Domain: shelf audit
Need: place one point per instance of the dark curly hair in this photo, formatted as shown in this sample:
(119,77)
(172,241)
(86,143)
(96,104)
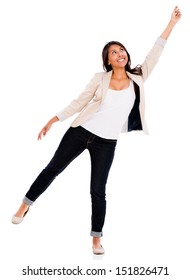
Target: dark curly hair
(137,70)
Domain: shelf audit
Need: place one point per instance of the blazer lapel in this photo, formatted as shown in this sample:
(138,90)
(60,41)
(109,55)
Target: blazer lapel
(105,83)
(137,79)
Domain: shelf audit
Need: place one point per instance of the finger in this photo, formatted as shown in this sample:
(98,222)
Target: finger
(40,135)
(177,10)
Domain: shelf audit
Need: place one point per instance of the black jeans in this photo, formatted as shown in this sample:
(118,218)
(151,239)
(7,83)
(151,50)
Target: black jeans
(73,143)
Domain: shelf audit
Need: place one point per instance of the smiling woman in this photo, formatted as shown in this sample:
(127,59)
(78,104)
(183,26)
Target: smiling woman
(114,51)
(117,56)
(117,95)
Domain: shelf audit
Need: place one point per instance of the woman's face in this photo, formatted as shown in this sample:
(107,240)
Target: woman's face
(117,56)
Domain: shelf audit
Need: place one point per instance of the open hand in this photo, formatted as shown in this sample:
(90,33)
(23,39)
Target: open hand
(47,127)
(44,131)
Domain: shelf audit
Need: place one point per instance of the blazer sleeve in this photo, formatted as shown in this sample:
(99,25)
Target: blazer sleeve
(82,100)
(152,57)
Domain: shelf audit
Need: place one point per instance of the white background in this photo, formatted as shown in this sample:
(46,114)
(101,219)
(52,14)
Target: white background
(48,52)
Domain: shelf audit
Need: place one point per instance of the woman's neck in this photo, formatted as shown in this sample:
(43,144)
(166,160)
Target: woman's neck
(119,80)
(119,74)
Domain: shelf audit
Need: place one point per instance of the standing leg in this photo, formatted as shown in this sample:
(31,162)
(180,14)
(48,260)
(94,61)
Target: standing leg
(102,154)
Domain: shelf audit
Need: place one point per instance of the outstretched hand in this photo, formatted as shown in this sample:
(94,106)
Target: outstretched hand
(44,131)
(175,17)
(47,127)
(176,14)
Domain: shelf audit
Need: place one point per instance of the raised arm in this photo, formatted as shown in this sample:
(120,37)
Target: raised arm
(175,17)
(155,53)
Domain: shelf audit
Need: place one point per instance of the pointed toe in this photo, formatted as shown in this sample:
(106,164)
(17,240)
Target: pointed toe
(17,220)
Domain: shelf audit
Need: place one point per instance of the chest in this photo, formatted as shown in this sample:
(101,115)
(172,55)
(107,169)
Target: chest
(119,99)
(119,84)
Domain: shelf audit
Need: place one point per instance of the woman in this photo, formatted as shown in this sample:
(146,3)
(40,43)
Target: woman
(112,102)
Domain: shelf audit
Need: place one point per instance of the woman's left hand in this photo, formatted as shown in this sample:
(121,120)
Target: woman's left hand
(176,15)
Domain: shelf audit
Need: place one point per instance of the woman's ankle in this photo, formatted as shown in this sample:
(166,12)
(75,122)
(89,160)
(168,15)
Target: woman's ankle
(96,241)
(22,210)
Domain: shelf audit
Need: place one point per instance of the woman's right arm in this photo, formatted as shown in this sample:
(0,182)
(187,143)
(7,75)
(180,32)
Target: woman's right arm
(75,106)
(47,127)
(82,100)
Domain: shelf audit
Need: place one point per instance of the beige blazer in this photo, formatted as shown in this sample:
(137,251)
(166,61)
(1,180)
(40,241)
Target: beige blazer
(89,101)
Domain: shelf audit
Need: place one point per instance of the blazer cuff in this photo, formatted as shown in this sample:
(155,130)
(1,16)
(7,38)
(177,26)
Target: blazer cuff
(61,116)
(160,41)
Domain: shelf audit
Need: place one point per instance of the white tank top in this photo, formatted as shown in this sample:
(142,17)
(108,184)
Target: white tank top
(113,114)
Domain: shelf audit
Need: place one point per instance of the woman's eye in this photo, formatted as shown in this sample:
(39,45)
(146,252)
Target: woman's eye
(113,52)
(122,50)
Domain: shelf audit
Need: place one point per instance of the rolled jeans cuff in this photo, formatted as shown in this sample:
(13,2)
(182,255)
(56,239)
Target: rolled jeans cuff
(96,234)
(27,201)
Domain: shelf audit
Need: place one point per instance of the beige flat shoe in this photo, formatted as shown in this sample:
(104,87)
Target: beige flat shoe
(17,220)
(98,251)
